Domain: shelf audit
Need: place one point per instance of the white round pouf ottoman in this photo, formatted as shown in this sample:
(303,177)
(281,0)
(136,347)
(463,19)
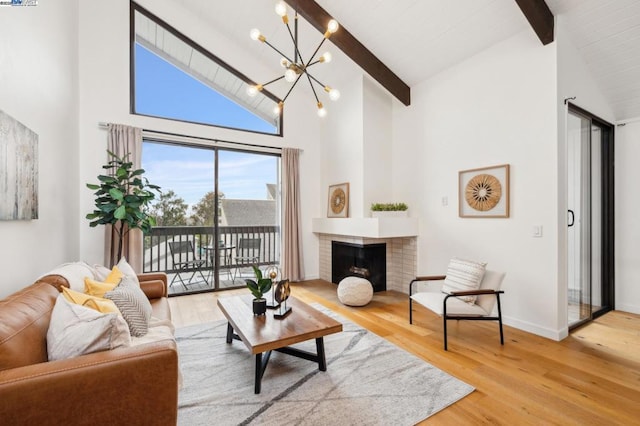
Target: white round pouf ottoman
(355,291)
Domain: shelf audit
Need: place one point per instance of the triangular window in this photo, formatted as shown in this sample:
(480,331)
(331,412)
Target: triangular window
(174,78)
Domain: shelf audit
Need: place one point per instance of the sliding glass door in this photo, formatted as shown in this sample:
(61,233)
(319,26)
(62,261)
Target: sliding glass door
(589,216)
(218,215)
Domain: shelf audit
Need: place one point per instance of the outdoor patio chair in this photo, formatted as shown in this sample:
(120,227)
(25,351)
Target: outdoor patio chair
(453,297)
(185,261)
(247,254)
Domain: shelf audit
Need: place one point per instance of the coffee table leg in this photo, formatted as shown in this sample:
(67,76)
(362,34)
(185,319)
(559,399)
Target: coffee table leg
(258,373)
(322,361)
(229,332)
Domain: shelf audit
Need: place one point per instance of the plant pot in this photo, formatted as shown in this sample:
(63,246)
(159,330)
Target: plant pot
(385,214)
(259,306)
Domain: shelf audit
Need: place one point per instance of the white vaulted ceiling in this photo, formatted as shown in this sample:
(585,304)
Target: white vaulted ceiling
(417,39)
(607,35)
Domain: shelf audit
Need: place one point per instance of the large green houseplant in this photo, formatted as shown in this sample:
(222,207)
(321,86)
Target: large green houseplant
(123,197)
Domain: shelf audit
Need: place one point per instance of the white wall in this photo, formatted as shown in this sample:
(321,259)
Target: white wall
(627,176)
(104,97)
(497,107)
(377,147)
(343,147)
(38,75)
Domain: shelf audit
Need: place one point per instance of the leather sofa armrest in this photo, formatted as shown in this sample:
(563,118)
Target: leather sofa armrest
(154,284)
(132,386)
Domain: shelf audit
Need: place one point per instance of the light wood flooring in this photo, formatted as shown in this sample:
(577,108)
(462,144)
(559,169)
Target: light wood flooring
(590,378)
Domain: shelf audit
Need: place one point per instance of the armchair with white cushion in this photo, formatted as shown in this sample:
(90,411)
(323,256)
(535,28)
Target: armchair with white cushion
(467,292)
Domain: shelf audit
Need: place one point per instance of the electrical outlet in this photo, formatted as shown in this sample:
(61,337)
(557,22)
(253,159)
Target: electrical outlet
(445,201)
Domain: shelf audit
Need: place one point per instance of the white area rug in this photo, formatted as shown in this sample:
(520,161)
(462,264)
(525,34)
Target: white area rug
(368,381)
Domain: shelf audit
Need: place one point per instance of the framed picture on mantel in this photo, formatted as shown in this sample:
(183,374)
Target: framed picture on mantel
(338,203)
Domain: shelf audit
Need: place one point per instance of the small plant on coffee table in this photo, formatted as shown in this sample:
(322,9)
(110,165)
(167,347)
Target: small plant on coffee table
(258,288)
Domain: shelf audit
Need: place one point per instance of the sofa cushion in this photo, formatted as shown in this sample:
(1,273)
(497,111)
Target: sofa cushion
(24,320)
(463,275)
(76,330)
(133,304)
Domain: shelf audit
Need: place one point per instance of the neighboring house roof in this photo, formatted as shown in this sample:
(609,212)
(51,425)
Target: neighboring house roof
(271,191)
(248,212)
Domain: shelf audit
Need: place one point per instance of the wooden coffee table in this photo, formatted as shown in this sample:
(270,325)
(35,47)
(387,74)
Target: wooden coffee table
(263,334)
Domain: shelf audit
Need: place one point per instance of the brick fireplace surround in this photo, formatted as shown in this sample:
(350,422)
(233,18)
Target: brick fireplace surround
(401,253)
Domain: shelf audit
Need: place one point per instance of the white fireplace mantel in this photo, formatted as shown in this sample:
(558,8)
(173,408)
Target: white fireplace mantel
(369,227)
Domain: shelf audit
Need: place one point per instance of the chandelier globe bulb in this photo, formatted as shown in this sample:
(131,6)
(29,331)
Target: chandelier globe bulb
(290,75)
(281,8)
(333,26)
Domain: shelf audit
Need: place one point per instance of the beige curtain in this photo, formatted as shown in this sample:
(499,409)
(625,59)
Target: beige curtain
(122,140)
(292,265)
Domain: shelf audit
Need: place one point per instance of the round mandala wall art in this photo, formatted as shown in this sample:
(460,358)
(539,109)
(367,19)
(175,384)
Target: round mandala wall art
(483,192)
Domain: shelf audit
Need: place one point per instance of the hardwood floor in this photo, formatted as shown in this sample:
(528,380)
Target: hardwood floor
(590,378)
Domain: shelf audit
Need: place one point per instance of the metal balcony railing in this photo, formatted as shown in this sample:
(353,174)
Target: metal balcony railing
(261,246)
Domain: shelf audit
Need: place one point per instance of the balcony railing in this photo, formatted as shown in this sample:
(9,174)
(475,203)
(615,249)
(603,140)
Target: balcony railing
(231,260)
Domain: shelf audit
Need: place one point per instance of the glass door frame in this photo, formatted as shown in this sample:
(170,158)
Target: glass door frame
(607,213)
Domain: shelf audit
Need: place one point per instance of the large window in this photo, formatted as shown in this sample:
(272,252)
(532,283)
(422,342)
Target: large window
(221,206)
(173,77)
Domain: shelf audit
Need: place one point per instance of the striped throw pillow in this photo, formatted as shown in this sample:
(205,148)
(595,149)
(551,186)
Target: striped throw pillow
(463,275)
(133,304)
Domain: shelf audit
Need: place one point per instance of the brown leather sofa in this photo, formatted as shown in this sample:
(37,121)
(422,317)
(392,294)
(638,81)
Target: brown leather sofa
(137,385)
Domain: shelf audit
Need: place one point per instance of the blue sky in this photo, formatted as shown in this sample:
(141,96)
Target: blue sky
(163,90)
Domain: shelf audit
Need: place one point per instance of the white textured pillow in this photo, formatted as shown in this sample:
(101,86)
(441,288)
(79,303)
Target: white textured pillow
(100,272)
(126,269)
(76,330)
(74,273)
(133,304)
(463,275)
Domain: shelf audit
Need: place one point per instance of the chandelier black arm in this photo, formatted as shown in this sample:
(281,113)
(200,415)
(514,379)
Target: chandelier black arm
(295,41)
(309,77)
(273,81)
(291,88)
(274,48)
(316,80)
(314,53)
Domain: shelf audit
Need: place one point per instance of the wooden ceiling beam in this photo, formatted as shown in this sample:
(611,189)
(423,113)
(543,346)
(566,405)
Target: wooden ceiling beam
(540,18)
(313,13)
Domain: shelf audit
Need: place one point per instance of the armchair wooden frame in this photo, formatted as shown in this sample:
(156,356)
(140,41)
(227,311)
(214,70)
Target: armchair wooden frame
(446,316)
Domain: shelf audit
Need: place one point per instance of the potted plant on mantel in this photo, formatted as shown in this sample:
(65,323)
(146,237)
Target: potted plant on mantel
(389,210)
(122,200)
(258,288)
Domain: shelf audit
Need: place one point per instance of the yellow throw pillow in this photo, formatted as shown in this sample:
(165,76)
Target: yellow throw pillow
(97,303)
(99,288)
(114,276)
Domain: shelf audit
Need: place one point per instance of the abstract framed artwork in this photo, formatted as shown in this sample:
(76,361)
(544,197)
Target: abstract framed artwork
(18,170)
(484,192)
(338,204)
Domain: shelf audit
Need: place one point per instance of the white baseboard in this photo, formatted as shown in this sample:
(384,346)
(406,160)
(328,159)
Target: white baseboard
(548,333)
(632,309)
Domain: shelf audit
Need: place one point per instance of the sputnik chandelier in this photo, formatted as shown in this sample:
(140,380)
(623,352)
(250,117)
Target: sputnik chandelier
(297,67)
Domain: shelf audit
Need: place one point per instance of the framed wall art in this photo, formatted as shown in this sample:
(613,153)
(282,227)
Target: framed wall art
(484,192)
(18,170)
(338,204)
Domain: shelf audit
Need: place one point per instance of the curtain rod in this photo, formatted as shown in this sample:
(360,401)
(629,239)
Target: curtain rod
(168,136)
